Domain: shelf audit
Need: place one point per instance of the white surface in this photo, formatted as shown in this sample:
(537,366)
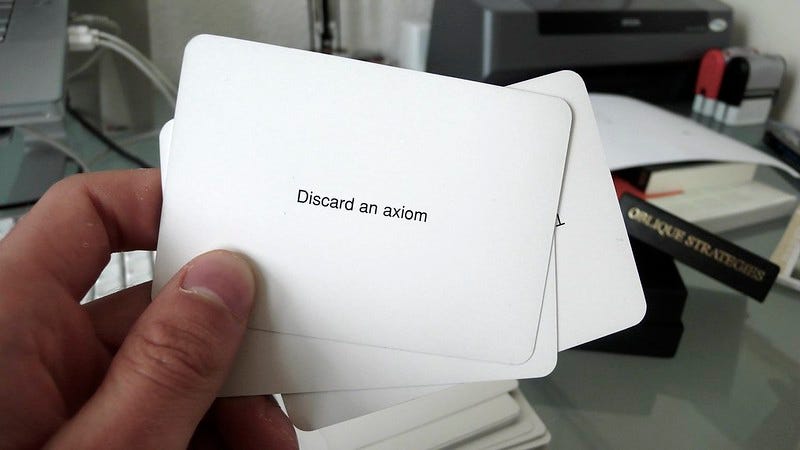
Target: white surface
(635,133)
(447,161)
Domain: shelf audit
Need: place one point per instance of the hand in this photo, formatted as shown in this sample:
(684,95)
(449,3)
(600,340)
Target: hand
(120,372)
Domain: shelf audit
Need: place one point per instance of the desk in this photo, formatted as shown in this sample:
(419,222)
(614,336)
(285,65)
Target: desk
(734,383)
(96,155)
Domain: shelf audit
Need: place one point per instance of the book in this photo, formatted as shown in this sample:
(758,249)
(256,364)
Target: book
(684,177)
(729,207)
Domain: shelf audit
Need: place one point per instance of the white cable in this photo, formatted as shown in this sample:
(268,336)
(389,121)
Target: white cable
(133,138)
(95,20)
(57,145)
(145,65)
(164,90)
(86,64)
(84,38)
(134,51)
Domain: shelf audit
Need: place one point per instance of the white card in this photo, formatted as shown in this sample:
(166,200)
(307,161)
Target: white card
(475,168)
(599,291)
(413,414)
(255,375)
(527,427)
(587,197)
(454,429)
(255,372)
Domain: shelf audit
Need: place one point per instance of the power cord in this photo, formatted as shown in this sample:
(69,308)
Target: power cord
(96,21)
(112,145)
(56,145)
(20,204)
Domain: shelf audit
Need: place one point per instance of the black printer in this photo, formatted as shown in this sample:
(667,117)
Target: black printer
(649,49)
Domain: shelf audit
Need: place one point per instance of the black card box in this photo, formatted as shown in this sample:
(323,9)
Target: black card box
(664,290)
(645,339)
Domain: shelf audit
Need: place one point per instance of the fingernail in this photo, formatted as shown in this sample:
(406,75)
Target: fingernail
(222,276)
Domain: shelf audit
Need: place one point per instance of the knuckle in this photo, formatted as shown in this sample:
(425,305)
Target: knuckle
(178,355)
(70,184)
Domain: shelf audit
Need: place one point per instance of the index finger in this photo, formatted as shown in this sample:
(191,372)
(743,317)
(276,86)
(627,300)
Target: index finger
(68,236)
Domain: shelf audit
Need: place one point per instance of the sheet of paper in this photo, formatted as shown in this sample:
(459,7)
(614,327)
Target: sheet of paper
(636,133)
(420,143)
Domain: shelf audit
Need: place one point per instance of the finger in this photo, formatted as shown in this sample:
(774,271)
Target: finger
(113,315)
(254,423)
(170,367)
(67,237)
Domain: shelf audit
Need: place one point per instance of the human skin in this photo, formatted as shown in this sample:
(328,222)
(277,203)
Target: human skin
(124,371)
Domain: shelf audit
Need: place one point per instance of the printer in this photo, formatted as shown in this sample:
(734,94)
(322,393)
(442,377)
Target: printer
(649,49)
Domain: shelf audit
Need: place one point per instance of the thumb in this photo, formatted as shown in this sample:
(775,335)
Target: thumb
(172,363)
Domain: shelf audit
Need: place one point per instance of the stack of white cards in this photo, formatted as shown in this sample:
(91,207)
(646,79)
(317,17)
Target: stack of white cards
(411,231)
(489,415)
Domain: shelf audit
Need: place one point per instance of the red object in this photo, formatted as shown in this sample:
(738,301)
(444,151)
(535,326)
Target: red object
(624,187)
(709,78)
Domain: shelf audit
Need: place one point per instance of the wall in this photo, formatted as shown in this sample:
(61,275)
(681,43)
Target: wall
(127,97)
(373,25)
(772,27)
(370,25)
(172,24)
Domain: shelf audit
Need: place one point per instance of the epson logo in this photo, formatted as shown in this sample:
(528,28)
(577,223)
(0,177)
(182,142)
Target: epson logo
(718,25)
(631,22)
